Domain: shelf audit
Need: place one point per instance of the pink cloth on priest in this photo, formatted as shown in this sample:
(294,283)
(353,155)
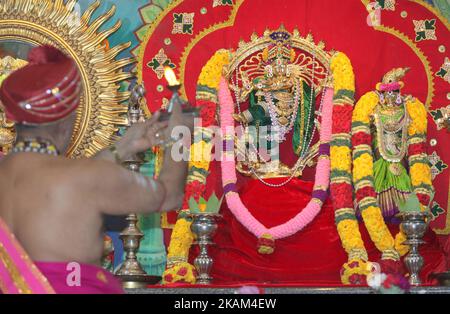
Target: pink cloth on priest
(93,279)
(20,275)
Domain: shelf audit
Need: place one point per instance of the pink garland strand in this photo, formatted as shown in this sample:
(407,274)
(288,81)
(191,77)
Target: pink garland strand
(240,211)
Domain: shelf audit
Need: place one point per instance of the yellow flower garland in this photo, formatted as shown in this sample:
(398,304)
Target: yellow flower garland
(363,167)
(349,232)
(420,170)
(341,166)
(180,241)
(212,71)
(401,248)
(200,155)
(343,75)
(364,268)
(182,237)
(342,158)
(418,115)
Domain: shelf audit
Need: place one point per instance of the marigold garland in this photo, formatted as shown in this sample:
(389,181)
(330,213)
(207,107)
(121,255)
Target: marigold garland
(178,268)
(180,273)
(419,165)
(401,248)
(180,241)
(363,177)
(355,270)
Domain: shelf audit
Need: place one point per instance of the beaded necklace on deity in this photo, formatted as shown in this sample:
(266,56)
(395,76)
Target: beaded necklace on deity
(283,130)
(392,130)
(305,145)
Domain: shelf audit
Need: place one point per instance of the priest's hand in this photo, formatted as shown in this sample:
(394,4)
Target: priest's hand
(180,120)
(141,137)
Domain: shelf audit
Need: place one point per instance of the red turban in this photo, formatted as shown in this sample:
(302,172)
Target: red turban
(46,90)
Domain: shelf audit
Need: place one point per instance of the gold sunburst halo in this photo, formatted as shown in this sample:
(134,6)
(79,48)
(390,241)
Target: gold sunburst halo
(56,22)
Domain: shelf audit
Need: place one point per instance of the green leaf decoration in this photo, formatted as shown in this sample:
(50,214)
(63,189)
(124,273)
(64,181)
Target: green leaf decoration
(441,72)
(420,36)
(437,114)
(178,18)
(202,201)
(203,206)
(214,204)
(193,206)
(411,204)
(436,210)
(429,24)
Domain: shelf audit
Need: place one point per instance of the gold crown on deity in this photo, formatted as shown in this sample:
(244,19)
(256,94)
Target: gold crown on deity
(392,80)
(395,75)
(280,47)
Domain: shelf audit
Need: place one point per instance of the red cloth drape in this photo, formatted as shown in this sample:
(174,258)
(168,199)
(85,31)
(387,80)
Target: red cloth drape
(312,256)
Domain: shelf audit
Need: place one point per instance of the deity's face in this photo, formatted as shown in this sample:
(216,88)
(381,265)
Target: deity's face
(277,76)
(280,67)
(391,98)
(278,72)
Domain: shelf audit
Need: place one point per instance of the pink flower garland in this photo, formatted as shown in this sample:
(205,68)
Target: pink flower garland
(229,177)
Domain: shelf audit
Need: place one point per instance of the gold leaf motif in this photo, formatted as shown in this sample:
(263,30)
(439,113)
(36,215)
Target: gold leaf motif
(321,45)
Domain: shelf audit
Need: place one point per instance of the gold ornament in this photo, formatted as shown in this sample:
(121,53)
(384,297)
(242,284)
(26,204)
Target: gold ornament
(395,75)
(274,66)
(9,64)
(57,23)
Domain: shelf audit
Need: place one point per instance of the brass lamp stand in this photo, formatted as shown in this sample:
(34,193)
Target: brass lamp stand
(131,272)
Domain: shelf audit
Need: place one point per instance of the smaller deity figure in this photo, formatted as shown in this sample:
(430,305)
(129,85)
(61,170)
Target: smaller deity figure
(391,122)
(391,169)
(8,65)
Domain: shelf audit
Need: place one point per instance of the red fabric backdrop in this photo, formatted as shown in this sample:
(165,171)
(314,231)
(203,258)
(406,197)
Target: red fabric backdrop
(343,26)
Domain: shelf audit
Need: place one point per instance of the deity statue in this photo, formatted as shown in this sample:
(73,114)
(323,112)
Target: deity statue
(280,86)
(390,123)
(8,65)
(266,92)
(390,166)
(7,135)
